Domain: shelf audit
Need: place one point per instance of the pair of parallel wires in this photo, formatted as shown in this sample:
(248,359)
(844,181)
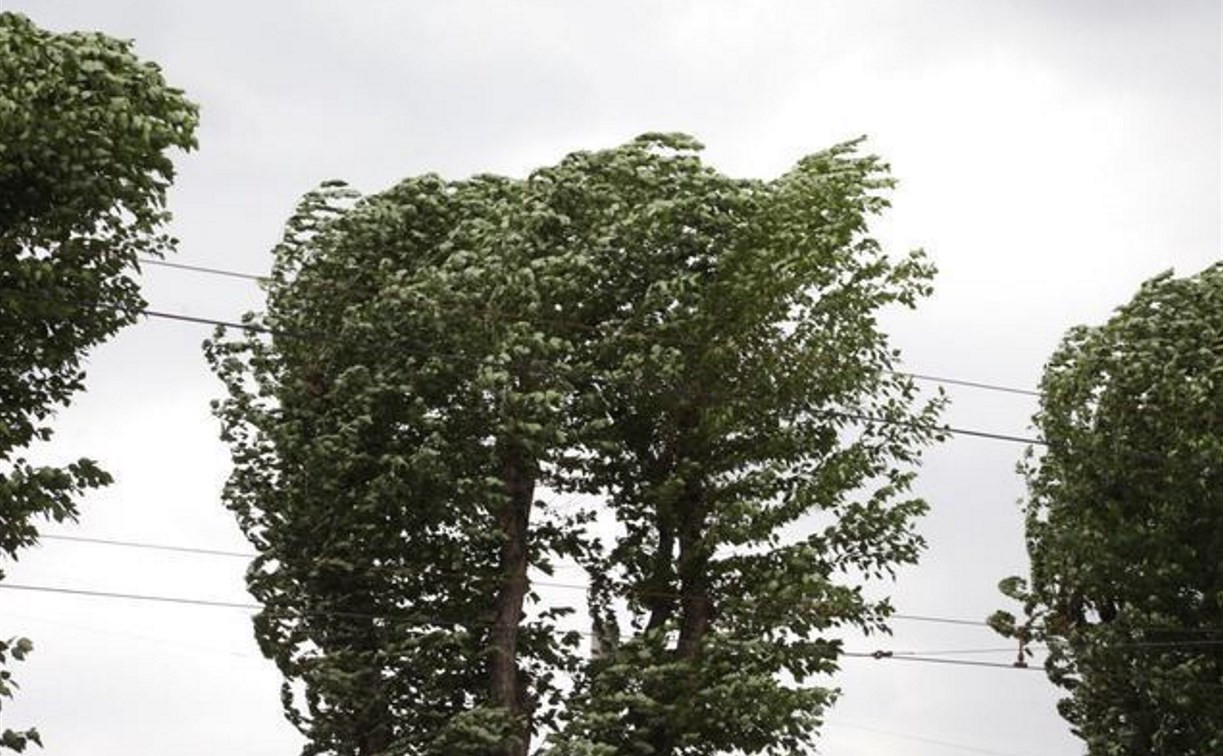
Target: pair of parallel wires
(928,657)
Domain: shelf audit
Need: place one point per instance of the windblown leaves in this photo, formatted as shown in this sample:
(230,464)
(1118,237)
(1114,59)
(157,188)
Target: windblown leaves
(699,351)
(85,128)
(1125,523)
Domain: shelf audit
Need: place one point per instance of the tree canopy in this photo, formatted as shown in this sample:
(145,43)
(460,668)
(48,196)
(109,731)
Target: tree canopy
(1125,523)
(85,128)
(699,352)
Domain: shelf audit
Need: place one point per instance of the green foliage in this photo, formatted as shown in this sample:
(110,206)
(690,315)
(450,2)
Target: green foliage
(17,648)
(84,128)
(371,438)
(628,323)
(1125,524)
(737,344)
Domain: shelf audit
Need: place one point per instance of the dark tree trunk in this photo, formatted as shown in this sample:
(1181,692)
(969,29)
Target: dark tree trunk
(683,525)
(658,593)
(507,682)
(696,609)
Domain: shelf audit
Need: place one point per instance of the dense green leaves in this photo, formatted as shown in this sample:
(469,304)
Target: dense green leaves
(85,128)
(374,441)
(696,351)
(736,344)
(1125,523)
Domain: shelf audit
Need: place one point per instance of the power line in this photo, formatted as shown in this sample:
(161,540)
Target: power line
(929,378)
(195,648)
(944,428)
(422,620)
(919,739)
(412,619)
(969,384)
(539,583)
(152,546)
(404,618)
(136,597)
(203,269)
(193,549)
(668,594)
(940,620)
(963,651)
(955,431)
(237,605)
(889,656)
(209,321)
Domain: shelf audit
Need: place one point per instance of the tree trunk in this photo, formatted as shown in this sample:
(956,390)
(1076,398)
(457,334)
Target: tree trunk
(695,606)
(658,597)
(696,609)
(507,683)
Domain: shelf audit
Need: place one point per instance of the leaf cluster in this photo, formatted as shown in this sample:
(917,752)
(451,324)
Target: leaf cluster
(1125,523)
(85,127)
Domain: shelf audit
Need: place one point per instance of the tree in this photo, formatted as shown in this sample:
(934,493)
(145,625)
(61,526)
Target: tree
(1125,523)
(737,354)
(84,131)
(388,438)
(628,323)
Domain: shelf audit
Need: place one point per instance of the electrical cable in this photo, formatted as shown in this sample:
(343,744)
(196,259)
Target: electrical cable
(919,739)
(143,545)
(916,376)
(969,384)
(406,618)
(955,431)
(887,655)
(540,583)
(669,594)
(203,269)
(423,620)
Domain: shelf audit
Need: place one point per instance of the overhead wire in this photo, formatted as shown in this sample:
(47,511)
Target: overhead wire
(900,616)
(920,739)
(952,430)
(405,618)
(539,583)
(425,620)
(926,377)
(195,648)
(654,593)
(251,327)
(143,545)
(203,269)
(885,655)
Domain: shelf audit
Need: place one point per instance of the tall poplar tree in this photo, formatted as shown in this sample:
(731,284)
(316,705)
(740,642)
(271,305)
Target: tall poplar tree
(743,419)
(85,132)
(388,436)
(1125,524)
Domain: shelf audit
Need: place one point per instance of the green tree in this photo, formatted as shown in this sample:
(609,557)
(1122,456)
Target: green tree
(1125,524)
(84,131)
(627,323)
(740,414)
(388,438)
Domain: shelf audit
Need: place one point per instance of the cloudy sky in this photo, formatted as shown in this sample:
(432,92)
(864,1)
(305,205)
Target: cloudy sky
(1052,155)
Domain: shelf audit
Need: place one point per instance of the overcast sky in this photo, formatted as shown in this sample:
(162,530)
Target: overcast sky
(1052,155)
